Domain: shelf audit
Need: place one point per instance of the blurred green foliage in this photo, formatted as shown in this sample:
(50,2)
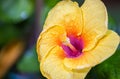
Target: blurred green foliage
(8,33)
(29,62)
(15,10)
(14,19)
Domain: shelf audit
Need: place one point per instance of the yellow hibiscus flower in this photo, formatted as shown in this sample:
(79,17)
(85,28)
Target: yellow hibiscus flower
(75,39)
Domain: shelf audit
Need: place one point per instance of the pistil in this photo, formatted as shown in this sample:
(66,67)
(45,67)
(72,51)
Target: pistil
(73,47)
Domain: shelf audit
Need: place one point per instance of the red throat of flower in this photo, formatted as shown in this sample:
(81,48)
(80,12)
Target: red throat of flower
(74,47)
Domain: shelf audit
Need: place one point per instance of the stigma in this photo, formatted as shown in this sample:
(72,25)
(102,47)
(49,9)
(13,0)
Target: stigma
(73,46)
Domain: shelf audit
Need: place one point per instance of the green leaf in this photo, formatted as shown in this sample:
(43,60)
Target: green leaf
(8,33)
(29,62)
(111,23)
(15,10)
(50,3)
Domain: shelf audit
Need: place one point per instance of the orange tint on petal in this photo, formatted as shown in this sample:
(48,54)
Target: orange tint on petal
(50,38)
(95,22)
(52,66)
(68,14)
(104,49)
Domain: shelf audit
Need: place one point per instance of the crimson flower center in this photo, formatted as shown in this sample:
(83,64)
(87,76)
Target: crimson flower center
(74,47)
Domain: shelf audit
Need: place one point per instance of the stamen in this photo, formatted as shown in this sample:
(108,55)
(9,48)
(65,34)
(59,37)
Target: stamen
(73,47)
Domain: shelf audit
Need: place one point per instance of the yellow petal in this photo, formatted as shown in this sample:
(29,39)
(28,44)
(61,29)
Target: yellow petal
(66,13)
(52,67)
(95,22)
(50,38)
(104,49)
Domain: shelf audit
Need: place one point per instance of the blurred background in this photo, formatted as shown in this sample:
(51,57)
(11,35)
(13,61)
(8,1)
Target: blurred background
(21,22)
